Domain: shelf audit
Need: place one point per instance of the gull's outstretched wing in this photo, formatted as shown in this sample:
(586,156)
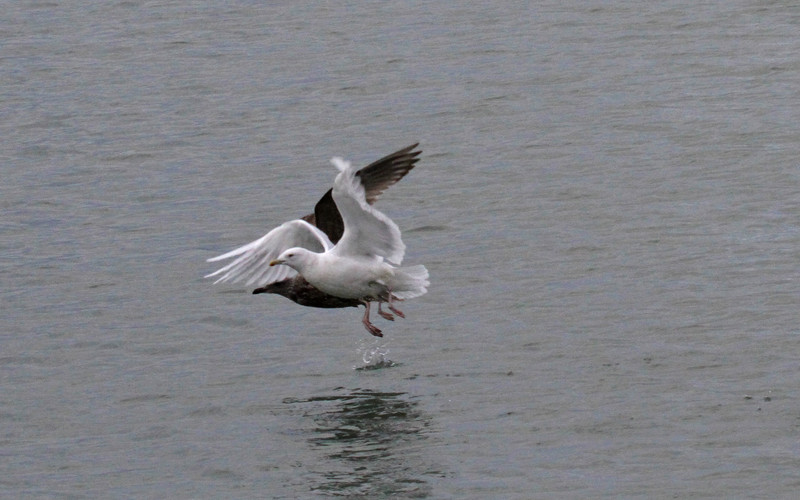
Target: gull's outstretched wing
(367,232)
(376,178)
(252,260)
(381,174)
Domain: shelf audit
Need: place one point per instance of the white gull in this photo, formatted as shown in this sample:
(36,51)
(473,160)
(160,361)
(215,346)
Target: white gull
(364,263)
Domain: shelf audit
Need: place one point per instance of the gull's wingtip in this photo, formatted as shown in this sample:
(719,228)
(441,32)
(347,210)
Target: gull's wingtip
(340,163)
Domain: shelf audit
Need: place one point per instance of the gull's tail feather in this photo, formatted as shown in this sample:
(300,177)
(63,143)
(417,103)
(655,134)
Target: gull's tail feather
(410,282)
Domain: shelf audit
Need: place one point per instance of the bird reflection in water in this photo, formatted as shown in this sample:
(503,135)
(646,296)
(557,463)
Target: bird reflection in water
(371,442)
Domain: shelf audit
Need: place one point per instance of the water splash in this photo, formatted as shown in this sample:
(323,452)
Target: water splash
(374,355)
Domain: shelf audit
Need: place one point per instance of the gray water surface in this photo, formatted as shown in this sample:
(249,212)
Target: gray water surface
(607,202)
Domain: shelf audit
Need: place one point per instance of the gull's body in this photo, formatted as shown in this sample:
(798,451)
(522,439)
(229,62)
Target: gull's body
(333,274)
(364,264)
(321,283)
(250,263)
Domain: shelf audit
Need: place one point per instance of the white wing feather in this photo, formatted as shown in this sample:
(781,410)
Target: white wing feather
(367,231)
(252,262)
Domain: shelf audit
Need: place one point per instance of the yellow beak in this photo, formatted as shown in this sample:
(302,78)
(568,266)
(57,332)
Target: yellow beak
(275,262)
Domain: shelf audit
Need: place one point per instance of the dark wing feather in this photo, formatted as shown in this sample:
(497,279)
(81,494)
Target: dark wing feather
(375,177)
(378,176)
(327,218)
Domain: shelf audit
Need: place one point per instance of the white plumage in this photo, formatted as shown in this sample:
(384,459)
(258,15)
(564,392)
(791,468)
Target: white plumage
(252,262)
(363,264)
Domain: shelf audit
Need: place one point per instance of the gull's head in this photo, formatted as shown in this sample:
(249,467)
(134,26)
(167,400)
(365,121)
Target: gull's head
(296,258)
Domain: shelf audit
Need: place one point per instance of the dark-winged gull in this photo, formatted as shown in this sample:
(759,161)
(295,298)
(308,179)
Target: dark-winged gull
(251,259)
(364,264)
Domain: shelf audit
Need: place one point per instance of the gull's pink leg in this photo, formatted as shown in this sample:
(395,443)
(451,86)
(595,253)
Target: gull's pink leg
(392,308)
(384,314)
(374,330)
